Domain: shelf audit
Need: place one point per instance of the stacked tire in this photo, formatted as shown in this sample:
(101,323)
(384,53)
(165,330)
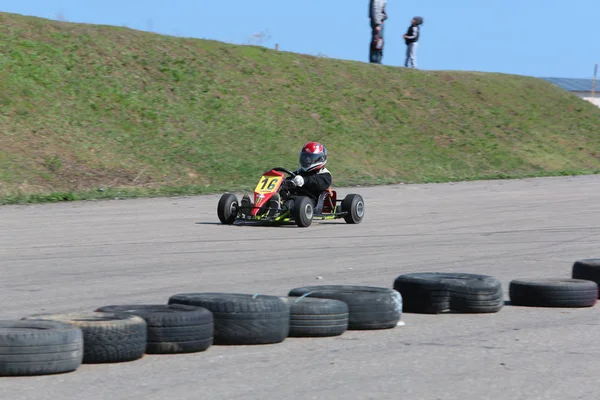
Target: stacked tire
(588,269)
(570,293)
(436,292)
(172,328)
(369,307)
(242,319)
(313,317)
(107,337)
(39,348)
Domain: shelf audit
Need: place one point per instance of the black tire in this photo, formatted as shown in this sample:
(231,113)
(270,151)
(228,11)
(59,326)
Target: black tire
(303,211)
(570,293)
(39,348)
(368,307)
(436,292)
(312,317)
(242,319)
(588,270)
(107,337)
(354,205)
(227,208)
(172,328)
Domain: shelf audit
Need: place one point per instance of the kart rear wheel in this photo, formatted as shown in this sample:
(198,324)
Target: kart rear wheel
(354,205)
(303,211)
(227,209)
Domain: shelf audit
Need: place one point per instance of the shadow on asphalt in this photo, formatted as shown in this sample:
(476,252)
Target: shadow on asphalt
(267,224)
(254,224)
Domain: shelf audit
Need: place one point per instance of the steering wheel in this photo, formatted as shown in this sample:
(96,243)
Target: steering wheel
(287,171)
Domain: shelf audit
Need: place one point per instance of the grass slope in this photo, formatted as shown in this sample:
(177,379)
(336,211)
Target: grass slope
(84,107)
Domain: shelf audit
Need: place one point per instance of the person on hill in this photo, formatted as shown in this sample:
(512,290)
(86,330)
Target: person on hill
(377,15)
(411,38)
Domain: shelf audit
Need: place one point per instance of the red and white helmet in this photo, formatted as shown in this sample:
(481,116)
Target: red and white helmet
(313,156)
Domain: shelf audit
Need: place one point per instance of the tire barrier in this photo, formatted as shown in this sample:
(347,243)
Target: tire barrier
(44,344)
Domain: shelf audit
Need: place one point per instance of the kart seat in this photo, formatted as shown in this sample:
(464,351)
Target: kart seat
(326,202)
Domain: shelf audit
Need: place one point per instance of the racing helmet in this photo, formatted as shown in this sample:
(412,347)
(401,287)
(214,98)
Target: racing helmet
(313,156)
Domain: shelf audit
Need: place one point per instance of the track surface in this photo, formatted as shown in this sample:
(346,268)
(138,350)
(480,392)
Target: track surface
(80,256)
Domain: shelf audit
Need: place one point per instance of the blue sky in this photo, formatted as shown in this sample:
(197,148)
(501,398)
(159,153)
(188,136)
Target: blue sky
(528,37)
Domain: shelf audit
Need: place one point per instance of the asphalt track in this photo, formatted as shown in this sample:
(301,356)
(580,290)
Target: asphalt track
(80,256)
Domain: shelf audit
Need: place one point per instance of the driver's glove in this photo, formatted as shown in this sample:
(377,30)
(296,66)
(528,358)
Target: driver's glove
(298,180)
(288,184)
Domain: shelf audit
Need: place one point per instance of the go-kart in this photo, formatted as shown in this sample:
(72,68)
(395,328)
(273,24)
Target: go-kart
(291,207)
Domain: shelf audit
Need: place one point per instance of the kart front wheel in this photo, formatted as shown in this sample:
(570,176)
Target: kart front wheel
(354,205)
(227,209)
(303,211)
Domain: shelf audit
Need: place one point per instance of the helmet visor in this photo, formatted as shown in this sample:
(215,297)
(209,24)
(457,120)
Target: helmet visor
(308,159)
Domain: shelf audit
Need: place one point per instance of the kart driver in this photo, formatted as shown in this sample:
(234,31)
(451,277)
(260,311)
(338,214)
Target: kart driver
(312,178)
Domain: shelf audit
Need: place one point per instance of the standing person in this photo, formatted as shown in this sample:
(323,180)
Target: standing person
(377,15)
(411,38)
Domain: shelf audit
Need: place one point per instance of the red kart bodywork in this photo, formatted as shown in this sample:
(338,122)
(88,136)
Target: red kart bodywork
(264,190)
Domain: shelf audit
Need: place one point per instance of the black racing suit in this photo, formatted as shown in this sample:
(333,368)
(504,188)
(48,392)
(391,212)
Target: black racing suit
(315,183)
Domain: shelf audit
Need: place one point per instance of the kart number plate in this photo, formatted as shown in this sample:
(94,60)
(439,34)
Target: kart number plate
(268,184)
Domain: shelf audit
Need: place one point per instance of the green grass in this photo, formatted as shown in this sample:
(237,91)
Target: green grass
(86,107)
